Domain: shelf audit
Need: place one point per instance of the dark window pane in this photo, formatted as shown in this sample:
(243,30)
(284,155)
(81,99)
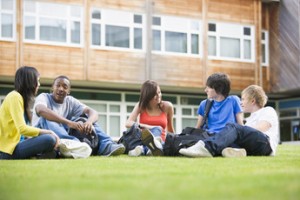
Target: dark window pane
(138,19)
(117,36)
(138,38)
(247,31)
(212,27)
(156,21)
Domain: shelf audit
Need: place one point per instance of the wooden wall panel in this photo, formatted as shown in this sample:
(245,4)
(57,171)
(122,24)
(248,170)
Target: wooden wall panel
(285,46)
(128,5)
(116,66)
(7,58)
(177,71)
(191,8)
(241,74)
(241,11)
(52,61)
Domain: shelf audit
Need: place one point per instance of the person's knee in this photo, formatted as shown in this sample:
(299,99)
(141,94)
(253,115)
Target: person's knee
(50,139)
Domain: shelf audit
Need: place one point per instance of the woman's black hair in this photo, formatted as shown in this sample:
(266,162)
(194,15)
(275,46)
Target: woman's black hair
(26,82)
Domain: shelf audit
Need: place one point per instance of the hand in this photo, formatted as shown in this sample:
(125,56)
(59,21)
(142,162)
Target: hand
(77,126)
(88,127)
(57,140)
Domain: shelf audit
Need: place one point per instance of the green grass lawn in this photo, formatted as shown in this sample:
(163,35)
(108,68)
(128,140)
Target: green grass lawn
(126,177)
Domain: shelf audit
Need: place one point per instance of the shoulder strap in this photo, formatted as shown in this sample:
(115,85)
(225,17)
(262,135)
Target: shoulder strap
(209,103)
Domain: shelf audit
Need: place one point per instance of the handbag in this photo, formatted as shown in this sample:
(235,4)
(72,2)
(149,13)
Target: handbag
(74,149)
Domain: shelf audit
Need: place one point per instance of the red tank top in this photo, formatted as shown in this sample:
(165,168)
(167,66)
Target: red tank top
(160,120)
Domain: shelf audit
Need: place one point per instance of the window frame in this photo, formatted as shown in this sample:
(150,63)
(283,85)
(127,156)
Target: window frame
(167,25)
(231,34)
(10,12)
(130,24)
(266,53)
(69,19)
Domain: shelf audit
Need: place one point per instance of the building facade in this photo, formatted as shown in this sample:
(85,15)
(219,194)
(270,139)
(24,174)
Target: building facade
(109,48)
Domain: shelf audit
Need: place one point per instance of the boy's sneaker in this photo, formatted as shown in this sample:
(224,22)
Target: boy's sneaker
(197,150)
(137,151)
(114,150)
(152,143)
(234,152)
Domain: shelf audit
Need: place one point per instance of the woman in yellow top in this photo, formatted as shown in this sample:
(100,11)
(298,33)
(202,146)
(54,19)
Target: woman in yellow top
(13,112)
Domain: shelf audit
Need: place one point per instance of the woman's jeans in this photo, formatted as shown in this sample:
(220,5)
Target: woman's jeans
(253,141)
(62,132)
(31,147)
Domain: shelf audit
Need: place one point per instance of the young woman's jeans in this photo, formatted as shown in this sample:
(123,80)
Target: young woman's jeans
(62,132)
(31,147)
(253,141)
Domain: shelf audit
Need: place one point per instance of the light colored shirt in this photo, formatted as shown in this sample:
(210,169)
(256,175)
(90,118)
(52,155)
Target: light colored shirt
(266,114)
(12,123)
(70,108)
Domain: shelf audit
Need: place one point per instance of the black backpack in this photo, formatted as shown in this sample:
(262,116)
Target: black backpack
(131,138)
(91,139)
(188,137)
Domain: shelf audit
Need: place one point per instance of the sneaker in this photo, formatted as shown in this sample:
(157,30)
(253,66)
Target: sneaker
(197,150)
(114,150)
(234,152)
(137,151)
(149,153)
(152,143)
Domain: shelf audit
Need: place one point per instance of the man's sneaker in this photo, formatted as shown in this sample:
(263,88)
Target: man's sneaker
(152,143)
(114,150)
(137,151)
(197,150)
(234,152)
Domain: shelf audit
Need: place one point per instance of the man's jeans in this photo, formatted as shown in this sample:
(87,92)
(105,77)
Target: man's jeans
(31,147)
(255,142)
(62,132)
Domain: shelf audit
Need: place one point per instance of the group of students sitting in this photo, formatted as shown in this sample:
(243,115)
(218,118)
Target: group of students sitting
(53,114)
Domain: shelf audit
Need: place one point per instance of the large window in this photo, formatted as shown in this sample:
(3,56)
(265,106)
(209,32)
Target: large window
(176,35)
(50,23)
(7,19)
(117,30)
(264,48)
(231,42)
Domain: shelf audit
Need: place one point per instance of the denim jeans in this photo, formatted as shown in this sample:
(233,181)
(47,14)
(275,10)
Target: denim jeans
(253,141)
(62,132)
(31,147)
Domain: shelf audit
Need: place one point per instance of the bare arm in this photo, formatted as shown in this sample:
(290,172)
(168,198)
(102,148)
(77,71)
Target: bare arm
(239,118)
(263,126)
(170,114)
(133,116)
(92,118)
(48,114)
(199,122)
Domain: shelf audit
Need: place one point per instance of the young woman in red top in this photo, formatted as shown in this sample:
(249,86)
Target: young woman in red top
(154,117)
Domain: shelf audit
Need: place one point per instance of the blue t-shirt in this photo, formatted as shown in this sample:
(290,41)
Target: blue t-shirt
(221,113)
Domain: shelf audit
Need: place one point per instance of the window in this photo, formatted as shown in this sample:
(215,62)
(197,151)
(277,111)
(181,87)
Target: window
(265,48)
(176,35)
(51,23)
(231,42)
(7,19)
(117,29)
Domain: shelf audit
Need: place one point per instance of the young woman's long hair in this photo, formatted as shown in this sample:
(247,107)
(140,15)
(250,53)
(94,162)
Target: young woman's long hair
(148,91)
(26,82)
